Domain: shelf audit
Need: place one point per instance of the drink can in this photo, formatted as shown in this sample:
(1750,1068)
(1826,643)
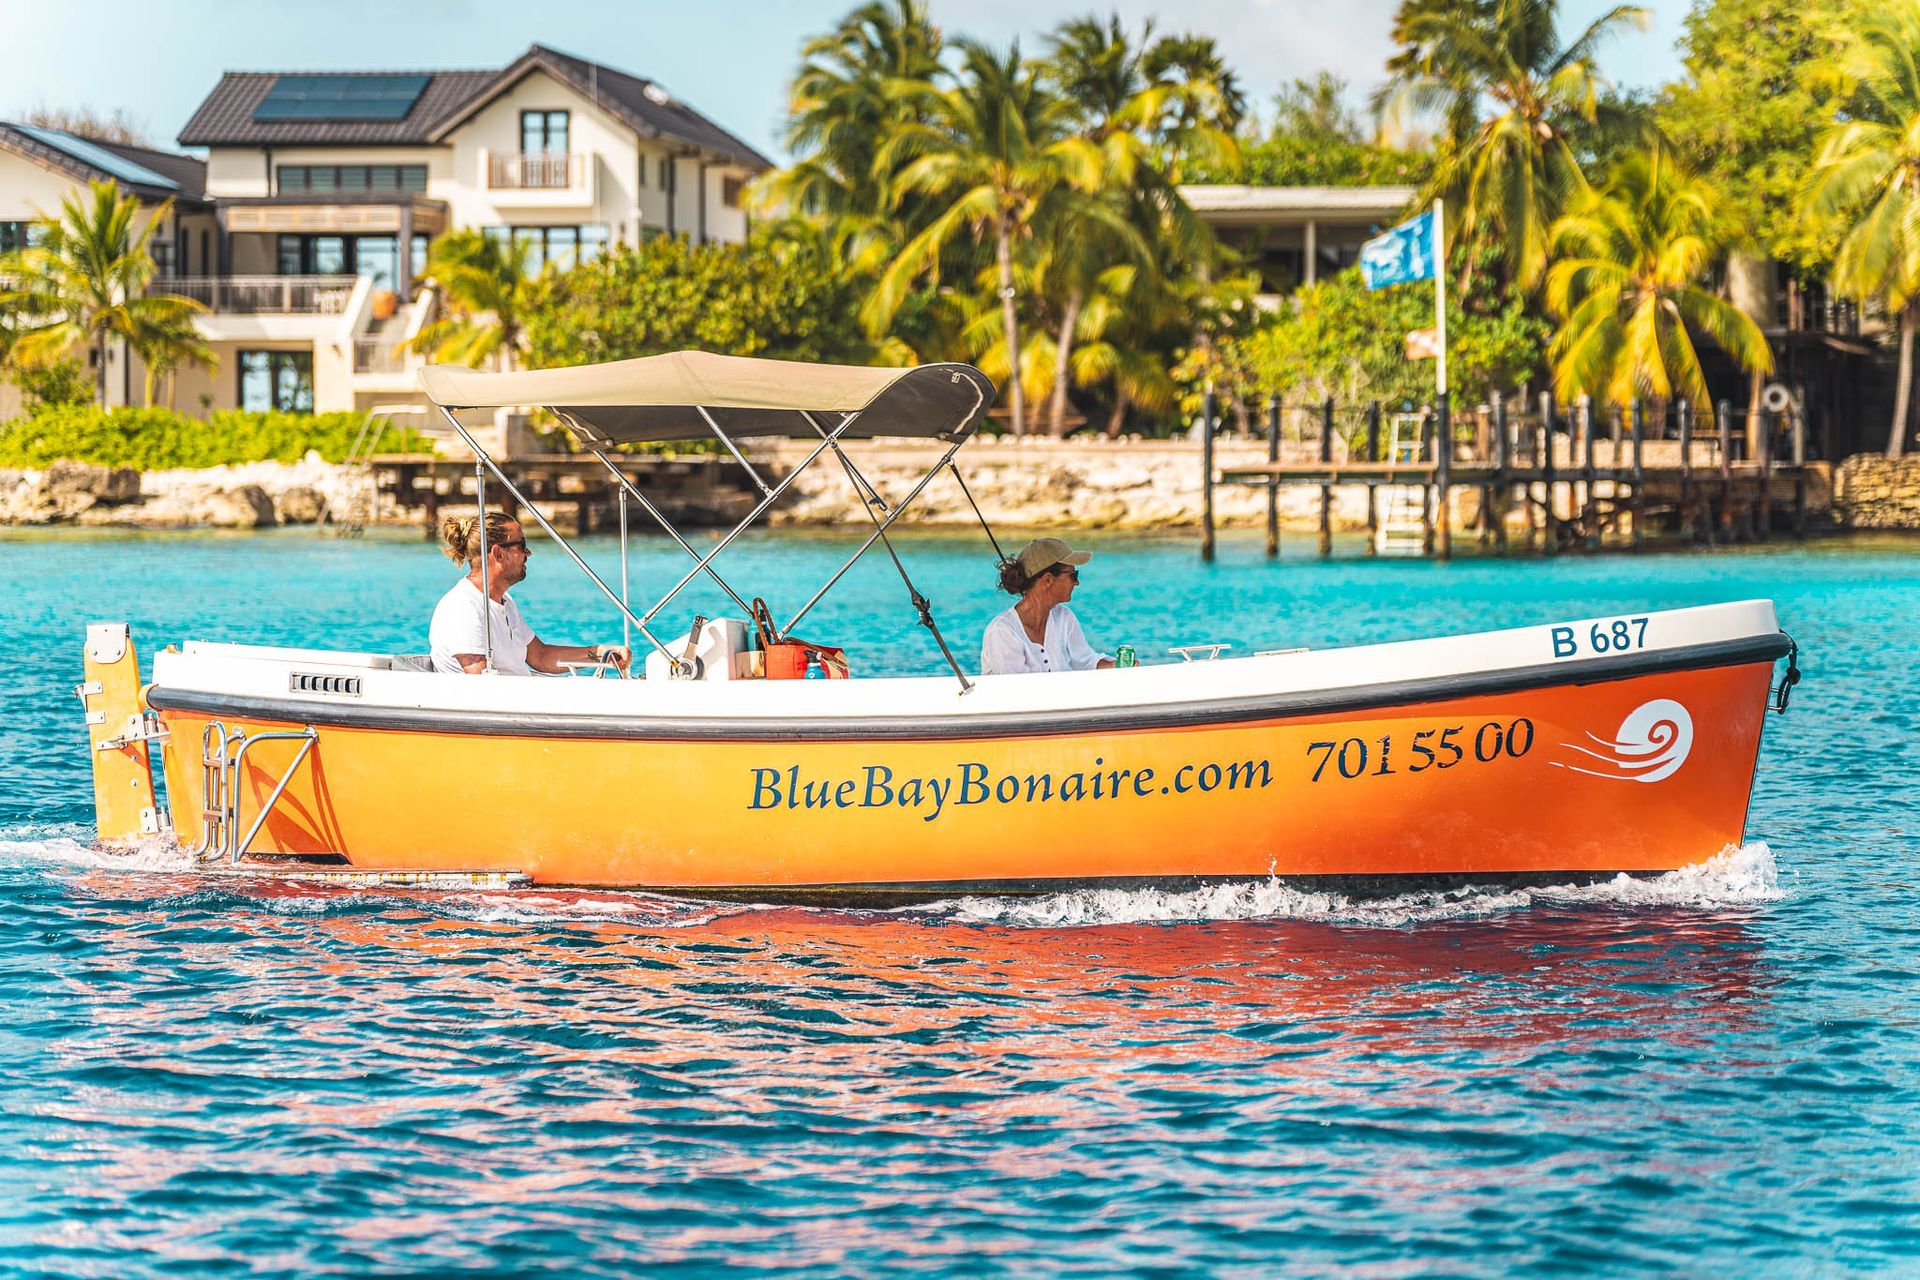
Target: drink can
(1123,657)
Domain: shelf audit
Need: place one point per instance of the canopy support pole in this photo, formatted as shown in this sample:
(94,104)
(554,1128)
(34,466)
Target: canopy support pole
(482,456)
(921,604)
(772,497)
(486,583)
(626,599)
(627,487)
(978,514)
(879,530)
(738,457)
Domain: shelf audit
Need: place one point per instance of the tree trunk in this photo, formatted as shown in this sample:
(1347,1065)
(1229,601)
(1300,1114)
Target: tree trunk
(1057,415)
(1897,438)
(1003,251)
(100,370)
(1117,420)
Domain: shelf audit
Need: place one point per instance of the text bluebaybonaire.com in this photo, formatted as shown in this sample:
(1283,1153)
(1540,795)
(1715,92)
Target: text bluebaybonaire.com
(876,786)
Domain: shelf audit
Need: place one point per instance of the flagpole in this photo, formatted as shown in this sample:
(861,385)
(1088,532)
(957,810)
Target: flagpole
(1440,286)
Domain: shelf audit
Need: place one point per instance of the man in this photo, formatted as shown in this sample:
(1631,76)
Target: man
(458,635)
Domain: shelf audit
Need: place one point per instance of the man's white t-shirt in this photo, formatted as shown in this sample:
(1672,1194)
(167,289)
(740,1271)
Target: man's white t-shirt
(459,627)
(1005,650)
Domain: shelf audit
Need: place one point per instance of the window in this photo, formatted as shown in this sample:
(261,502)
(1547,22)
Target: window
(543,132)
(730,189)
(643,170)
(666,172)
(280,380)
(376,256)
(355,179)
(563,247)
(18,235)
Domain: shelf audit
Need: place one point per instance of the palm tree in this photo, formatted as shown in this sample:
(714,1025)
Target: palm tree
(1144,105)
(85,283)
(1510,173)
(1863,182)
(1628,283)
(844,104)
(483,286)
(994,146)
(164,342)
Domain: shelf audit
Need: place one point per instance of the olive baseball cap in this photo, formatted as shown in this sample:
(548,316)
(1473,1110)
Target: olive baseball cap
(1043,553)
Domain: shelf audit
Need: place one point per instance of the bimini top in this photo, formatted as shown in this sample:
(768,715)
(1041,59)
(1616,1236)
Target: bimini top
(663,397)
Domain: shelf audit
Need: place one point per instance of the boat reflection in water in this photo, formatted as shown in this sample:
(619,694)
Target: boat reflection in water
(755,1077)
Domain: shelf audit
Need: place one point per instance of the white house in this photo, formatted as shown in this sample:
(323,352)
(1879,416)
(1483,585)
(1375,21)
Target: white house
(1295,235)
(40,168)
(311,216)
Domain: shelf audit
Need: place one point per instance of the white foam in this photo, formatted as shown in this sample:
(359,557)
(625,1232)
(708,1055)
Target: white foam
(1737,877)
(72,846)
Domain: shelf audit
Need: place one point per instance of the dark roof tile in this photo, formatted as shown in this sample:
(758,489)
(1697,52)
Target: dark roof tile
(226,117)
(149,174)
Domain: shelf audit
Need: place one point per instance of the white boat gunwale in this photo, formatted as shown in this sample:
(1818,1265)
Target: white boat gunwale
(226,680)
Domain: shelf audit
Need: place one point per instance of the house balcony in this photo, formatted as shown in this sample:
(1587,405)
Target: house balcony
(538,178)
(257,295)
(279,308)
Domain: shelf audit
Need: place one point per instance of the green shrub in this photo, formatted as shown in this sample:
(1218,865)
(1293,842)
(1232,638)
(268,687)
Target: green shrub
(62,382)
(158,439)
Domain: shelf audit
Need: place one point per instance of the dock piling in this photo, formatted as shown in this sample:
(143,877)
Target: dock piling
(1207,411)
(1499,491)
(1551,540)
(1373,491)
(1326,491)
(1637,500)
(1442,475)
(1763,500)
(1723,415)
(1273,480)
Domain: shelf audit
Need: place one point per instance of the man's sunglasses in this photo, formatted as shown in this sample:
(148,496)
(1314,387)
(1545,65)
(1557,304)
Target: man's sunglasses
(519,543)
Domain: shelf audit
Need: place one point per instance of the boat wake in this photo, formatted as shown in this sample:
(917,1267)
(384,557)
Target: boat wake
(1740,877)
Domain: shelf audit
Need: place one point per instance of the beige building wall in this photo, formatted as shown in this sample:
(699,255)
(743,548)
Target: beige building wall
(604,192)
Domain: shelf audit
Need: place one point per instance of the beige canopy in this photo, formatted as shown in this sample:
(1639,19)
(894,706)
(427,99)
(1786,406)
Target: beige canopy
(660,397)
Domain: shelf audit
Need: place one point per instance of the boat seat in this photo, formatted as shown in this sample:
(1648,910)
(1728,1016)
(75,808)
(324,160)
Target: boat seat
(411,662)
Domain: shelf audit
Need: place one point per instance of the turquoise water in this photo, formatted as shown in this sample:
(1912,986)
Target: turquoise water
(1710,1071)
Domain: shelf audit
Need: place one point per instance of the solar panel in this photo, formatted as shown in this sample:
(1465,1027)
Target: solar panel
(341,97)
(98,156)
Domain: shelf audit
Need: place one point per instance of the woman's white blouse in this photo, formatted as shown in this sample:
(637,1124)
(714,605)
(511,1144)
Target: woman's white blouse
(1005,650)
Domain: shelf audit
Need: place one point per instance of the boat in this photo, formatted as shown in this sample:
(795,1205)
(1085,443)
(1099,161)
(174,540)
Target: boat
(1566,751)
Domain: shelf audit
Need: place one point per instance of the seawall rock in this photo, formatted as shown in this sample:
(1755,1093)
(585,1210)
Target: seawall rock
(1124,484)
(1871,491)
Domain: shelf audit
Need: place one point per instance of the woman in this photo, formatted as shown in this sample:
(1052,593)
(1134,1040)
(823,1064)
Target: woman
(1040,633)
(462,625)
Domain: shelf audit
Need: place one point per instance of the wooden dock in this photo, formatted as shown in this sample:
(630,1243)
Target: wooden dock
(575,492)
(1565,484)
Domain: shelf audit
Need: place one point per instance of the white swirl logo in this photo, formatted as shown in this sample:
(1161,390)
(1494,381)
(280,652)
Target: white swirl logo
(1651,744)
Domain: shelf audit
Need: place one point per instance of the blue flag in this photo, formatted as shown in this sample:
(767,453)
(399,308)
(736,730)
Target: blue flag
(1401,256)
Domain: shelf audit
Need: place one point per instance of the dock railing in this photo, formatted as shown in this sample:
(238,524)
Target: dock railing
(1568,475)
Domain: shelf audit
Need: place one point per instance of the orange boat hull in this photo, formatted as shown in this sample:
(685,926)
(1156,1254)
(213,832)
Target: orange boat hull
(1545,781)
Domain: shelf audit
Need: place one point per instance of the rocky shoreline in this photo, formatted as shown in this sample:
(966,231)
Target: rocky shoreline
(251,496)
(1033,484)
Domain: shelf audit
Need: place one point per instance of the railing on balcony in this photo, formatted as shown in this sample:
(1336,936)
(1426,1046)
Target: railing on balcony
(379,355)
(534,171)
(250,295)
